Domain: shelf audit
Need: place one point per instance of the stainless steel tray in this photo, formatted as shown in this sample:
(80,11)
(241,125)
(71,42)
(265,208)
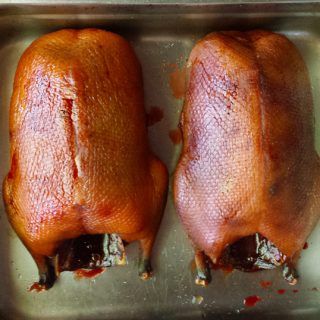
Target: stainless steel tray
(162,36)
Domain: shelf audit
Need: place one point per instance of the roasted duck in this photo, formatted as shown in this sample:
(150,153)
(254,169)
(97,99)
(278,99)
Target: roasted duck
(247,183)
(80,160)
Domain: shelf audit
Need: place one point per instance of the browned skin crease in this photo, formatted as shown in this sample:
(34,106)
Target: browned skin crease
(80,160)
(248,163)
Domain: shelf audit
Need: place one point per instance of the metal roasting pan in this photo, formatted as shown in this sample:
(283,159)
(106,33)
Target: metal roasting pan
(162,35)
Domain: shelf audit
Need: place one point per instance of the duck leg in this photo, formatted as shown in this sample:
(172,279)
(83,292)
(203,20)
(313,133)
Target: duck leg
(203,277)
(290,273)
(47,274)
(145,268)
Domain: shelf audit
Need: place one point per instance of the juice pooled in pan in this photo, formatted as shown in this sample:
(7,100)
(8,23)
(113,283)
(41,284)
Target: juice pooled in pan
(247,183)
(80,159)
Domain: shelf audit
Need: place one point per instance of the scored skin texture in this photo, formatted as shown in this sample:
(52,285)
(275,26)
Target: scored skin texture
(80,160)
(248,163)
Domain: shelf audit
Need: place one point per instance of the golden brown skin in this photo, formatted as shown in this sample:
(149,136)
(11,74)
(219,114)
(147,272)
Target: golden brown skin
(248,163)
(80,160)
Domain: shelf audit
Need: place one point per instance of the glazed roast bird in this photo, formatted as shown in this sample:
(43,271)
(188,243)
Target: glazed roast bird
(80,160)
(247,182)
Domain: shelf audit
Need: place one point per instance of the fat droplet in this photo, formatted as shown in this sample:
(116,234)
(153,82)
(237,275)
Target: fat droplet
(197,299)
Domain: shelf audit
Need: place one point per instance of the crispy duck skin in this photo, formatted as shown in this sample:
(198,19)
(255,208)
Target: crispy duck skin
(248,164)
(80,160)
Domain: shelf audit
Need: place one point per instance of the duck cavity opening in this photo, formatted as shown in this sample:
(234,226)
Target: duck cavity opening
(91,252)
(252,253)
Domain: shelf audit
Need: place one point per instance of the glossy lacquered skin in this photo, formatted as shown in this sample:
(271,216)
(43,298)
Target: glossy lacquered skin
(80,160)
(248,163)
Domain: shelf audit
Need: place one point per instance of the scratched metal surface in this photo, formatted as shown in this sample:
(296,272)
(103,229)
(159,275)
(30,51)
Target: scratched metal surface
(162,37)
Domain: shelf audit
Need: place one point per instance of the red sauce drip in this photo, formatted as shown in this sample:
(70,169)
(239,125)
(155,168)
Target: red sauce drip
(175,136)
(36,287)
(251,301)
(215,266)
(83,273)
(281,291)
(305,246)
(295,290)
(177,82)
(227,269)
(265,284)
(155,115)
